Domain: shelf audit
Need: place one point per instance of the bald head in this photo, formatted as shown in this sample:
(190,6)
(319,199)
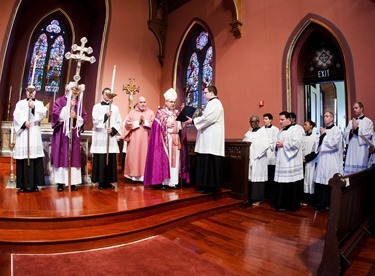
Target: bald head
(142,103)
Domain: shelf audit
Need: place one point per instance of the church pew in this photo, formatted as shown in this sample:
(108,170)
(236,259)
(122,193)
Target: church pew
(351,217)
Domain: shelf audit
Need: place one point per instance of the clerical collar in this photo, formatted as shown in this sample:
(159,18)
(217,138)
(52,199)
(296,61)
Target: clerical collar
(104,103)
(287,127)
(269,126)
(213,98)
(27,99)
(331,126)
(256,129)
(308,134)
(360,118)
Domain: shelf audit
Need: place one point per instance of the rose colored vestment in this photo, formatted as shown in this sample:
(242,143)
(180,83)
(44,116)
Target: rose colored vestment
(136,134)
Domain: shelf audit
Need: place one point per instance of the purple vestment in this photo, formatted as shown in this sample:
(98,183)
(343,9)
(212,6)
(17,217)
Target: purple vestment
(60,142)
(157,162)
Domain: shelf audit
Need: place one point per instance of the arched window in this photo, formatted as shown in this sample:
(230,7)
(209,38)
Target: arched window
(49,46)
(198,68)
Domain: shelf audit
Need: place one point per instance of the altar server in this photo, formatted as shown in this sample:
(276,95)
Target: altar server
(329,161)
(209,146)
(106,132)
(289,166)
(272,132)
(28,150)
(258,169)
(309,146)
(357,149)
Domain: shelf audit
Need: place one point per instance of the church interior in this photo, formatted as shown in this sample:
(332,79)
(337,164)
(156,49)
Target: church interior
(306,57)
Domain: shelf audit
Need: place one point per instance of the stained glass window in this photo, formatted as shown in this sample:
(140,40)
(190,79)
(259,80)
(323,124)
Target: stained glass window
(199,70)
(50,48)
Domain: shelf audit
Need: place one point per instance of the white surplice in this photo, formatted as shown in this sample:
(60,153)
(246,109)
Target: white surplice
(100,135)
(357,153)
(258,154)
(210,126)
(28,141)
(289,160)
(330,156)
(272,135)
(309,144)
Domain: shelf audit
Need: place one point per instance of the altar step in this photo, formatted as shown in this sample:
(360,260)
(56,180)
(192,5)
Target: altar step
(5,160)
(46,235)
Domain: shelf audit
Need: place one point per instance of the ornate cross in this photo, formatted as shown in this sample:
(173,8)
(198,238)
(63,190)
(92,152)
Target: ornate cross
(80,57)
(130,89)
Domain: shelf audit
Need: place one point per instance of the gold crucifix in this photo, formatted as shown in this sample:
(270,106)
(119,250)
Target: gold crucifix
(80,56)
(130,89)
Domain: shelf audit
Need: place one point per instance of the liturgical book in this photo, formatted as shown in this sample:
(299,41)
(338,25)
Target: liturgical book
(186,111)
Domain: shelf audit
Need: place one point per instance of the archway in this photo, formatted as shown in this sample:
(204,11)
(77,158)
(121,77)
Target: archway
(318,70)
(79,20)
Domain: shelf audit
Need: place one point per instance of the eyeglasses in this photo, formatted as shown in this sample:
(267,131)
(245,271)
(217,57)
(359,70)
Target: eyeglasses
(253,121)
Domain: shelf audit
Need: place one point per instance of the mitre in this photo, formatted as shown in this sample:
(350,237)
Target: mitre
(170,95)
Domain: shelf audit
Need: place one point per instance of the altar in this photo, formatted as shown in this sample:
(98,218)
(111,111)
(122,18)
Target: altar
(47,132)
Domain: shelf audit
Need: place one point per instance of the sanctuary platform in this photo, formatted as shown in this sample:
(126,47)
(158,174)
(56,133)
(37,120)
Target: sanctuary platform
(50,221)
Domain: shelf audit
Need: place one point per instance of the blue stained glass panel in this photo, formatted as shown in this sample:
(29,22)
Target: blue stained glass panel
(54,68)
(40,49)
(192,81)
(202,40)
(207,74)
(50,48)
(54,27)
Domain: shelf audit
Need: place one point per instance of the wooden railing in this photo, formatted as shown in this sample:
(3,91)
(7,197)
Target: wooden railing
(351,215)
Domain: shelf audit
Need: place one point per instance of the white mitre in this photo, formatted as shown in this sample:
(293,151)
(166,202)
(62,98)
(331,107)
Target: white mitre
(170,95)
(70,86)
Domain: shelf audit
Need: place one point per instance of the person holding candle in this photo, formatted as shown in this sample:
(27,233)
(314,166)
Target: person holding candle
(106,132)
(28,150)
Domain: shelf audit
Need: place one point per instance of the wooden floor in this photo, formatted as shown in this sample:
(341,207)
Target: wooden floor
(251,241)
(260,241)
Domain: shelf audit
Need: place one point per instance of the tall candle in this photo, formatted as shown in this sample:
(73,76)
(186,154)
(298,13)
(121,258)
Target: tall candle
(19,98)
(34,66)
(113,78)
(10,94)
(11,134)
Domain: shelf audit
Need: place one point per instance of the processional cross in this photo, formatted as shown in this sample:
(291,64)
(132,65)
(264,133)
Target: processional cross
(80,57)
(130,89)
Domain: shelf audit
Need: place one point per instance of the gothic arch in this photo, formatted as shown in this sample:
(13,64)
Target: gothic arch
(178,67)
(292,83)
(87,18)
